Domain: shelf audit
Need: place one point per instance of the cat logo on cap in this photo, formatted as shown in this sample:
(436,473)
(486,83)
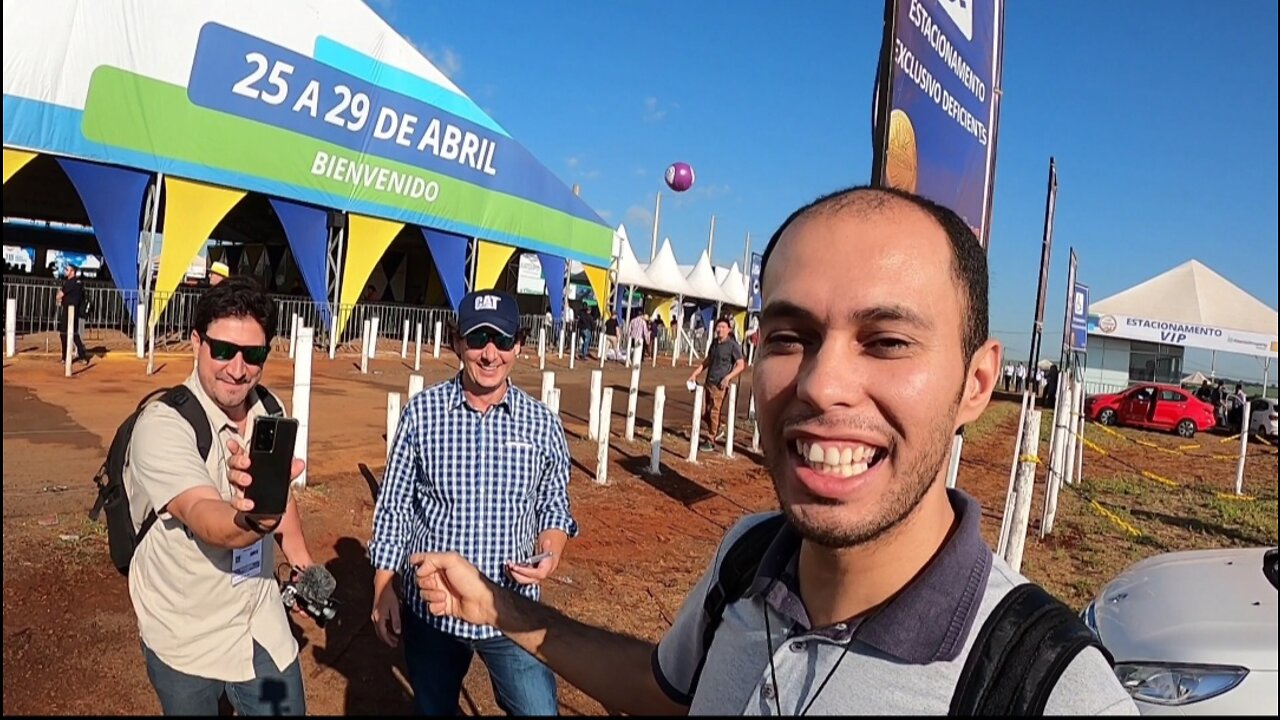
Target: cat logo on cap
(487,302)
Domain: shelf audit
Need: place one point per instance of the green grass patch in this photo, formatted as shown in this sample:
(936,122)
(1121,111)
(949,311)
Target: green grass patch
(996,415)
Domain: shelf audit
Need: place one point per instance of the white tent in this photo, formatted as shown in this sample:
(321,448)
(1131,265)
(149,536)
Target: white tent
(1192,294)
(734,286)
(664,274)
(1195,379)
(630,273)
(702,279)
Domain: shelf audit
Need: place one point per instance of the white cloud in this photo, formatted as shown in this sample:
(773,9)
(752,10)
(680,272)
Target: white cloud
(573,161)
(445,58)
(638,216)
(590,175)
(653,112)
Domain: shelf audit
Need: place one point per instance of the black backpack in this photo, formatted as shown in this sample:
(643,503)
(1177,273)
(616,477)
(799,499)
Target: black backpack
(1022,649)
(112,496)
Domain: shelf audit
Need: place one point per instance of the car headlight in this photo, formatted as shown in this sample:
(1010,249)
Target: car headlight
(1090,617)
(1167,684)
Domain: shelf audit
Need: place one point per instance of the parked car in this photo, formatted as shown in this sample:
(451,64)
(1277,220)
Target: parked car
(1194,632)
(1154,407)
(1262,417)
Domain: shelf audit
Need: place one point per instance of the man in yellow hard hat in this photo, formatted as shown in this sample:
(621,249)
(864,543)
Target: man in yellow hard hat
(218,271)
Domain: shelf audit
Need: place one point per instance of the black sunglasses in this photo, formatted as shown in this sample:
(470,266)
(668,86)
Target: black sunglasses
(224,351)
(478,339)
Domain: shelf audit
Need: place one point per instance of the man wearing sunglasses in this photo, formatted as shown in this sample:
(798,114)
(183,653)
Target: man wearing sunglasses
(202,577)
(480,468)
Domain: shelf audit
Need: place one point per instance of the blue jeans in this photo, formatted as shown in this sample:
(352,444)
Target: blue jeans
(584,344)
(270,692)
(438,662)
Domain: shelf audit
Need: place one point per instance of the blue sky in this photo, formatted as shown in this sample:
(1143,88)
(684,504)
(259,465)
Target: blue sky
(1162,117)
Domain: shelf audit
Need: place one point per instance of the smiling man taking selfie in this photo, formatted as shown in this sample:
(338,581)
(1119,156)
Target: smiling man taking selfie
(871,592)
(480,468)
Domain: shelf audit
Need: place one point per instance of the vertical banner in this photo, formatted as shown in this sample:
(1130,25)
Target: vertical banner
(307,230)
(367,239)
(598,278)
(15,160)
(938,103)
(491,259)
(660,307)
(1079,317)
(112,198)
(191,211)
(753,278)
(449,252)
(553,276)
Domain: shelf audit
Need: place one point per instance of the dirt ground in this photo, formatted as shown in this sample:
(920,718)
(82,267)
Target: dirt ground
(644,538)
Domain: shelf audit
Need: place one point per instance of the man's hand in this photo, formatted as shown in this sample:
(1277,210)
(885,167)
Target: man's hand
(239,477)
(386,615)
(453,587)
(526,575)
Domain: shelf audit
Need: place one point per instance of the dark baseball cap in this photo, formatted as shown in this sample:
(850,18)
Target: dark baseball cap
(488,309)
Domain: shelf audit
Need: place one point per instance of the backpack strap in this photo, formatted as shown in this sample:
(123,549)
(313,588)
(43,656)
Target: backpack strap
(269,401)
(1019,655)
(733,578)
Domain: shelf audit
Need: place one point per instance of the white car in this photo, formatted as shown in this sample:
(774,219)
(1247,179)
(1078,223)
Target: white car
(1194,633)
(1262,417)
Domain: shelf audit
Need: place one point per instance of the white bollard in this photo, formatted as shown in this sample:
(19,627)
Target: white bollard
(364,348)
(602,358)
(11,329)
(573,349)
(542,348)
(404,341)
(548,382)
(393,419)
(560,343)
(1244,447)
(435,343)
(695,437)
(593,412)
(301,402)
(732,420)
(953,465)
(602,449)
(755,436)
(151,349)
(1011,493)
(416,384)
(71,345)
(293,336)
(333,335)
(751,404)
(1060,454)
(417,348)
(654,359)
(655,440)
(675,351)
(633,395)
(140,331)
(626,361)
(373,337)
(553,401)
(690,354)
(1025,486)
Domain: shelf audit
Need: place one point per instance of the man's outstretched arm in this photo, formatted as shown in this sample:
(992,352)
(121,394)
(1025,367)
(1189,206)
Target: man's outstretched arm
(614,669)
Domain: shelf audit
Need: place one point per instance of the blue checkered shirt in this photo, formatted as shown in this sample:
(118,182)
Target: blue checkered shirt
(483,485)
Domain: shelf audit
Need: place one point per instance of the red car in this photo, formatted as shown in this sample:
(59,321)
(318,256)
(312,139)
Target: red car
(1154,407)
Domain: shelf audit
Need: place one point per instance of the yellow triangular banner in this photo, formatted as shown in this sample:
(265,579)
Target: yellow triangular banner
(662,307)
(490,261)
(598,278)
(367,239)
(740,322)
(15,160)
(191,211)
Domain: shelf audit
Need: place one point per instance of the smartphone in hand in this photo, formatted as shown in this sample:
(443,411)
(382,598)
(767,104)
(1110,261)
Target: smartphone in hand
(270,462)
(533,561)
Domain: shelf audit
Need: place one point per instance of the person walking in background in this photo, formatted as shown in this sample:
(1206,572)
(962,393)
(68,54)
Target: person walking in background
(723,363)
(1008,376)
(637,336)
(612,339)
(1021,374)
(478,467)
(71,296)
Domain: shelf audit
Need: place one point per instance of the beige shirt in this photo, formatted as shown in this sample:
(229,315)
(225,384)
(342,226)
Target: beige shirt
(189,612)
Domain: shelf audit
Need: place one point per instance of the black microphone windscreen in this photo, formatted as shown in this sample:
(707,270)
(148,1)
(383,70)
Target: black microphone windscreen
(316,583)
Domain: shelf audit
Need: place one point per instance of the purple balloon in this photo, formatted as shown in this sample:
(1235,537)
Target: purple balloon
(679,176)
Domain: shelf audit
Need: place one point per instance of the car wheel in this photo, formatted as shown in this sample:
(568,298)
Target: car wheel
(1186,429)
(1107,417)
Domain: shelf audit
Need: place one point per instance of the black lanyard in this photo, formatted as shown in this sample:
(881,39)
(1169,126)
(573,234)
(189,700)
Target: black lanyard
(773,673)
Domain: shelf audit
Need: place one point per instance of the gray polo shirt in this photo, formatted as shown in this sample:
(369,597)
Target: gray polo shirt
(904,659)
